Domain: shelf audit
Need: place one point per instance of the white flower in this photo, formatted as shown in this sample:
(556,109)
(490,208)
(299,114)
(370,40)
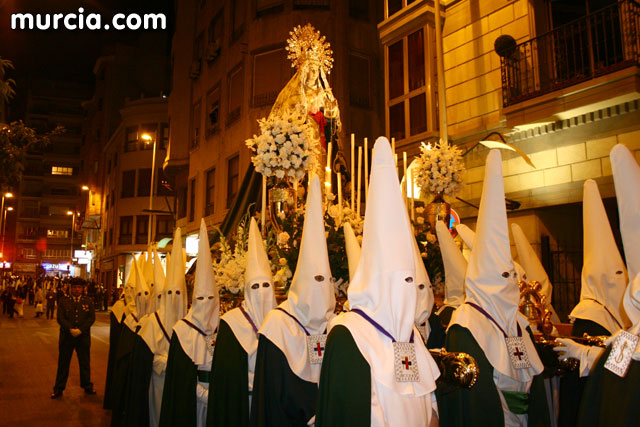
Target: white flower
(334,211)
(283,238)
(420,210)
(281,215)
(280,173)
(431,238)
(420,220)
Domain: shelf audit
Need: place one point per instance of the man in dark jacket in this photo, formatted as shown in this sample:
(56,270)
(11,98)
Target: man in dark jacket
(75,316)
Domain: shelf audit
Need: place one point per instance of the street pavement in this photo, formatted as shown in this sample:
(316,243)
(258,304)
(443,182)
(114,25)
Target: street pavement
(28,363)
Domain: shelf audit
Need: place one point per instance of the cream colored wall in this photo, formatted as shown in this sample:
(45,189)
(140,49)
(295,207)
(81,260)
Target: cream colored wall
(472,68)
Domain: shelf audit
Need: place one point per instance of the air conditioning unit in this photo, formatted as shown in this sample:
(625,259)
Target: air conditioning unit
(194,70)
(213,51)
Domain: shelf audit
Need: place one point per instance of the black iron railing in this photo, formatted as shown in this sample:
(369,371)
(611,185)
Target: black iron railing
(599,43)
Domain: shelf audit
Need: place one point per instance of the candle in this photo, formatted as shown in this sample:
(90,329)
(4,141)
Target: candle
(366,168)
(353,169)
(339,177)
(393,145)
(328,170)
(295,194)
(413,206)
(359,180)
(264,202)
(406,178)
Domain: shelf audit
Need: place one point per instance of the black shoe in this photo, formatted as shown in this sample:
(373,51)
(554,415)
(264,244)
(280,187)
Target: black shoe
(89,391)
(56,394)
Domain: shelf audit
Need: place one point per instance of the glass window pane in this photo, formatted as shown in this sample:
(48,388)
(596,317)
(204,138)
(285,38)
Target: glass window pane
(396,121)
(396,77)
(415,57)
(418,114)
(394,6)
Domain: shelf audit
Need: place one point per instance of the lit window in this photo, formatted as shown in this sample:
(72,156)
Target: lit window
(60,170)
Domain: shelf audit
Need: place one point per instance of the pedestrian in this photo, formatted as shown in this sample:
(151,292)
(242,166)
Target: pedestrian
(51,302)
(75,316)
(39,300)
(11,303)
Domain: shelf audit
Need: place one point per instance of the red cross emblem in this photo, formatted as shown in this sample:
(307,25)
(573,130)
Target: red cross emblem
(319,349)
(518,353)
(406,363)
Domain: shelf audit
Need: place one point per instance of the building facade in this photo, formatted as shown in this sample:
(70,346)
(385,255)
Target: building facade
(126,213)
(46,230)
(560,80)
(228,66)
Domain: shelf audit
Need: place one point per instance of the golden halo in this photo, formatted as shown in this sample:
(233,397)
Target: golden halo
(307,45)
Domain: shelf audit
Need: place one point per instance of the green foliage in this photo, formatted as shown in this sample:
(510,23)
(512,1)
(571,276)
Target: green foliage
(15,140)
(7,91)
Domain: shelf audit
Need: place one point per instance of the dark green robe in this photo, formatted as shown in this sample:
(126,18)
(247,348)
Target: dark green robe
(229,391)
(344,398)
(280,397)
(480,405)
(445,315)
(137,404)
(115,329)
(179,406)
(121,376)
(609,400)
(571,385)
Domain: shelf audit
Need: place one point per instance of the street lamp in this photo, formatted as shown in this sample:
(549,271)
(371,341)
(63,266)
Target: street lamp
(85,187)
(73,225)
(4,224)
(149,139)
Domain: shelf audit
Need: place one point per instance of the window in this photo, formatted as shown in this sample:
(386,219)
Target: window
(126,230)
(411,104)
(359,83)
(110,236)
(144,182)
(182,201)
(56,253)
(270,74)
(195,125)
(106,202)
(57,210)
(216,32)
(142,229)
(311,4)
(150,129)
(164,226)
(267,6)
(61,170)
(163,185)
(198,47)
(393,6)
(131,139)
(113,198)
(109,166)
(237,19)
(192,199)
(115,159)
(29,253)
(213,110)
(210,192)
(235,93)
(57,234)
(128,183)
(233,175)
(164,136)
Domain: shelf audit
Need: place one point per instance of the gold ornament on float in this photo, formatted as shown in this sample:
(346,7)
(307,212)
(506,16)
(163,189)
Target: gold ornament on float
(307,45)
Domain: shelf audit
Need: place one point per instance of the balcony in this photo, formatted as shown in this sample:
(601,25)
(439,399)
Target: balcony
(583,62)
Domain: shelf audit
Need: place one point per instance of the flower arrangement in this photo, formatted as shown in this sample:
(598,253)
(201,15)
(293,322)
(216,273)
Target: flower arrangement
(230,267)
(440,168)
(285,148)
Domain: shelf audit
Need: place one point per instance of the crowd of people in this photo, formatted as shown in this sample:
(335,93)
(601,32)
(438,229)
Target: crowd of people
(299,363)
(45,293)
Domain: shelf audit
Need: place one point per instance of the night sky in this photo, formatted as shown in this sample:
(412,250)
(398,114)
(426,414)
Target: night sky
(63,53)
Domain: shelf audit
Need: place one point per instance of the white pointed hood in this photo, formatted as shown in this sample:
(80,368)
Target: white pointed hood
(259,301)
(353,249)
(385,284)
(149,277)
(626,176)
(174,299)
(604,276)
(424,299)
(130,289)
(455,267)
(153,328)
(259,298)
(533,267)
(205,304)
(311,296)
(466,234)
(142,291)
(491,281)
